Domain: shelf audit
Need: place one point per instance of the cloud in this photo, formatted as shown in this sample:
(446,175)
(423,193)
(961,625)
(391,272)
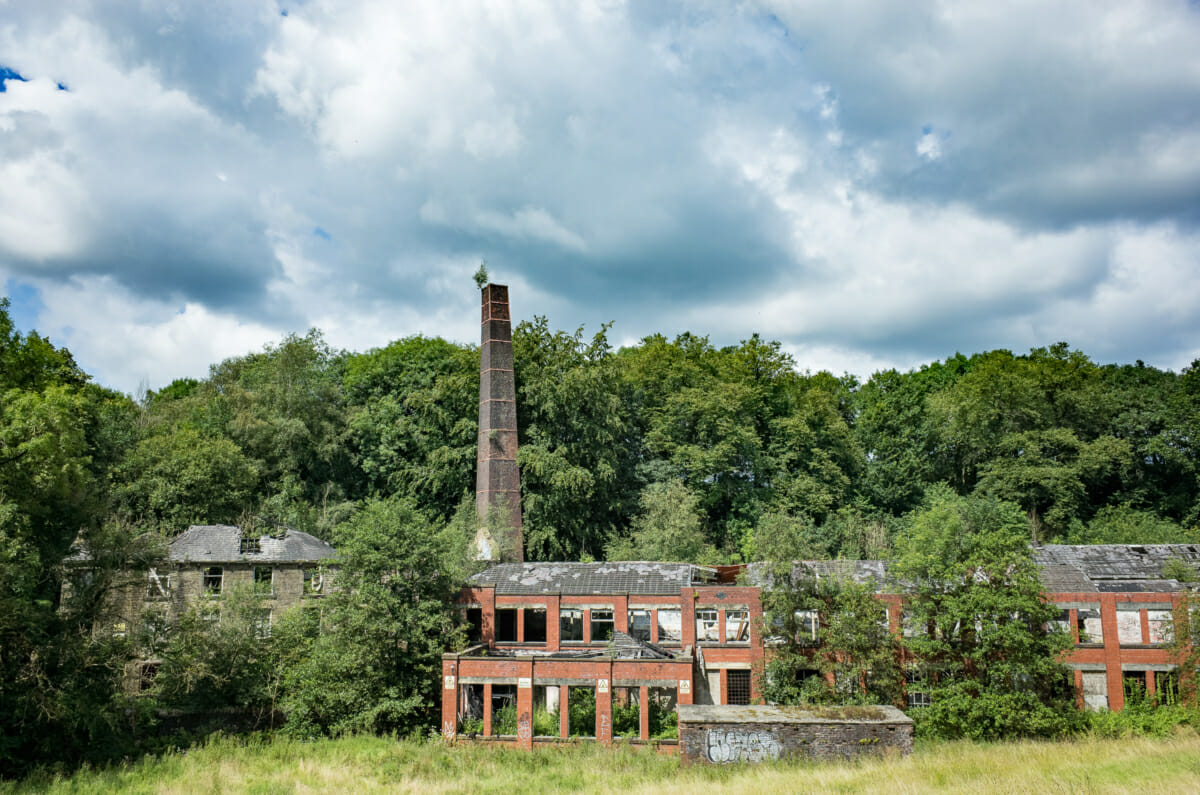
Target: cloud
(869,183)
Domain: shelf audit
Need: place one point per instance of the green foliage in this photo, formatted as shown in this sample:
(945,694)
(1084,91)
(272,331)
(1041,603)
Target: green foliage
(991,656)
(627,718)
(481,275)
(1122,524)
(378,666)
(668,527)
(581,712)
(1143,718)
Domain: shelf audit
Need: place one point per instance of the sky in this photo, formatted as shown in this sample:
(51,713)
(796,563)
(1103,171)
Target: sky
(873,184)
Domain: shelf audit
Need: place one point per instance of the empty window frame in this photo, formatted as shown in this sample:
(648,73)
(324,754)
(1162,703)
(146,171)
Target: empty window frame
(506,625)
(250,545)
(158,586)
(911,626)
(602,625)
(1087,620)
(1063,622)
(1162,628)
(670,625)
(147,671)
(639,625)
(213,579)
(264,580)
(314,581)
(737,687)
(808,626)
(708,626)
(737,626)
(474,625)
(262,623)
(535,625)
(570,625)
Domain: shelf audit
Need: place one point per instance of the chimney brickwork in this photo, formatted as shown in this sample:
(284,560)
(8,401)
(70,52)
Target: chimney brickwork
(498,483)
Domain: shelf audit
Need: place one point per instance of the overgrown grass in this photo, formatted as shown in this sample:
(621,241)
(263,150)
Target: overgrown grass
(372,764)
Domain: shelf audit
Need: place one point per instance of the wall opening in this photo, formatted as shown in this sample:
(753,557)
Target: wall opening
(506,626)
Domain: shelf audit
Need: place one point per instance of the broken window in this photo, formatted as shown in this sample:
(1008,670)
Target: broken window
(250,545)
(262,623)
(1135,688)
(911,627)
(1162,628)
(639,625)
(535,625)
(474,625)
(146,673)
(670,626)
(506,625)
(158,586)
(708,628)
(737,626)
(1129,627)
(314,581)
(916,687)
(1166,688)
(602,625)
(264,578)
(504,710)
(570,625)
(213,577)
(737,687)
(1063,622)
(1087,621)
(154,623)
(808,625)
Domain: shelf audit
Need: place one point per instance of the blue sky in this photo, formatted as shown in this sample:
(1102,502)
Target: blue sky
(873,184)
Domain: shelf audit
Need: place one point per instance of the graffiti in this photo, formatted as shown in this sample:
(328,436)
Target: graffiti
(725,746)
(448,730)
(605,727)
(524,731)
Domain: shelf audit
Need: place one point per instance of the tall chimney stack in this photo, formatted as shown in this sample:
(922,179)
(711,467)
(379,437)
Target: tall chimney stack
(498,484)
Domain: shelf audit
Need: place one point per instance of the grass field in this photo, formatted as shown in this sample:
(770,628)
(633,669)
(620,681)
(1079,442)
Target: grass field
(369,764)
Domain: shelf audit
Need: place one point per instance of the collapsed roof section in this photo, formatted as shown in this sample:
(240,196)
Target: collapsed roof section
(633,577)
(219,543)
(1112,568)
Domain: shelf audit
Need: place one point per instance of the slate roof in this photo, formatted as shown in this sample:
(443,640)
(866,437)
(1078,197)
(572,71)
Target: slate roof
(635,577)
(219,543)
(863,572)
(1111,568)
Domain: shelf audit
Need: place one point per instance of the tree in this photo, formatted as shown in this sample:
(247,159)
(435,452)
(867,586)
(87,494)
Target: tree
(987,640)
(670,526)
(377,668)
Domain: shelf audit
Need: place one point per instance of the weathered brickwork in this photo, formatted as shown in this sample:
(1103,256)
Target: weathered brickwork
(724,735)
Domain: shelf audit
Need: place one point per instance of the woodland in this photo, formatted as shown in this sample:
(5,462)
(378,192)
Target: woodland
(667,449)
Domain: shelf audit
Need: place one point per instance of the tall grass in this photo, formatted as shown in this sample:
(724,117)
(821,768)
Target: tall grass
(372,764)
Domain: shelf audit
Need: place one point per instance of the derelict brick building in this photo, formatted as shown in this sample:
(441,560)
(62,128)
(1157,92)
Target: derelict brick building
(679,633)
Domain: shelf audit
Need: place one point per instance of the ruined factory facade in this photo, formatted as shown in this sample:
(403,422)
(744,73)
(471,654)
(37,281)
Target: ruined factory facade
(651,635)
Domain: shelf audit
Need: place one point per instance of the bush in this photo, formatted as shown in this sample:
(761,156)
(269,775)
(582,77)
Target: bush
(1143,719)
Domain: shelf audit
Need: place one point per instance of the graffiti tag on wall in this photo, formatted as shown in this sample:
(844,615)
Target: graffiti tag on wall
(728,745)
(448,729)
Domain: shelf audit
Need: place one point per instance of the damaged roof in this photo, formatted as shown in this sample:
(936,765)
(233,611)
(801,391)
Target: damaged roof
(864,572)
(635,577)
(220,543)
(1112,568)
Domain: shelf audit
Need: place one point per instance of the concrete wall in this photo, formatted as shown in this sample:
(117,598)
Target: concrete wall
(724,735)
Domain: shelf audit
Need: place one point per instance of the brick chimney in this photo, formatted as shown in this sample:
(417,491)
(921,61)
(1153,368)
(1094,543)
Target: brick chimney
(498,484)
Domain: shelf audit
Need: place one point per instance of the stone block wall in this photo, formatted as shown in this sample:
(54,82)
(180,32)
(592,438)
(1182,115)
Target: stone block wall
(725,734)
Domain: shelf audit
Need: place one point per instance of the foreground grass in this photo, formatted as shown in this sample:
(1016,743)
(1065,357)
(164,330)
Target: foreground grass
(371,764)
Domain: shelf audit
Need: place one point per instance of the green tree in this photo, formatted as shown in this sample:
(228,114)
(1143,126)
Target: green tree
(670,526)
(378,666)
(988,642)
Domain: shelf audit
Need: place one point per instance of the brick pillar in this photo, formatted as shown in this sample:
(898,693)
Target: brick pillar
(621,613)
(487,612)
(487,710)
(686,688)
(564,712)
(498,484)
(687,617)
(604,709)
(1150,685)
(1112,652)
(644,713)
(525,706)
(553,638)
(723,696)
(450,689)
(520,625)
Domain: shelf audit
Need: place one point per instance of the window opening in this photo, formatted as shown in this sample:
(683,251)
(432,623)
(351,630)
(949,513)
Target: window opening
(602,626)
(264,580)
(212,581)
(737,686)
(570,625)
(808,626)
(262,623)
(916,688)
(474,625)
(670,626)
(504,709)
(1087,621)
(639,625)
(1129,627)
(1162,630)
(314,581)
(146,673)
(737,626)
(250,545)
(535,625)
(506,626)
(707,626)
(158,586)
